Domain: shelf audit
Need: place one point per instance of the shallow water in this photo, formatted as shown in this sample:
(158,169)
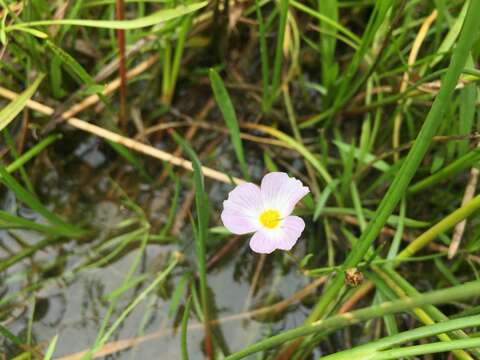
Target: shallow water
(72,306)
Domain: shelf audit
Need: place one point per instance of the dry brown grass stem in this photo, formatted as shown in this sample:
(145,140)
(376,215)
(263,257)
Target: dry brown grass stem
(125,141)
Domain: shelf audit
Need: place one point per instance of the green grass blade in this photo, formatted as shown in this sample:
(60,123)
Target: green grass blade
(31,153)
(183,342)
(226,107)
(10,221)
(9,112)
(51,348)
(278,58)
(150,20)
(427,349)
(30,200)
(201,228)
(464,162)
(262,33)
(329,9)
(300,148)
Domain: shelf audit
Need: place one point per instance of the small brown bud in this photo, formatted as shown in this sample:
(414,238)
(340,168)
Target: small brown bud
(353,277)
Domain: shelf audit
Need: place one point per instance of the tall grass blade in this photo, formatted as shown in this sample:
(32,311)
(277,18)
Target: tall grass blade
(203,213)
(9,112)
(31,201)
(226,107)
(149,20)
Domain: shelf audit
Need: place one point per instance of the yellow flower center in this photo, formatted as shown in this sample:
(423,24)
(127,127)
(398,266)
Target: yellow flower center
(270,218)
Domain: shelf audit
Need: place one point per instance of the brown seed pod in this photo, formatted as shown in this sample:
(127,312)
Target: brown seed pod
(353,277)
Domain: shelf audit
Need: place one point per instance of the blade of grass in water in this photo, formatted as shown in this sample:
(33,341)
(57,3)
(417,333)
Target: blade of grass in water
(185,317)
(31,201)
(51,348)
(31,153)
(203,213)
(159,279)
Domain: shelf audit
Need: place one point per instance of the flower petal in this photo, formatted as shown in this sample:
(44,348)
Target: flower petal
(281,192)
(262,243)
(288,234)
(242,208)
(283,238)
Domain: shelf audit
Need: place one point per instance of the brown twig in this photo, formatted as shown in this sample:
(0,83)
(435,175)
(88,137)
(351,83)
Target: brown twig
(460,227)
(421,35)
(125,141)
(93,99)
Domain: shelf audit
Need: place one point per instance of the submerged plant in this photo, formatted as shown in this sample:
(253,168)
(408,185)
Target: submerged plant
(265,211)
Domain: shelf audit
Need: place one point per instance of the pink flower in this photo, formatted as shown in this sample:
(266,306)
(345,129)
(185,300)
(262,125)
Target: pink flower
(265,211)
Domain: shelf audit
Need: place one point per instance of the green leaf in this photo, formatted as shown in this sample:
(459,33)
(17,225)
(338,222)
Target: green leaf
(226,107)
(51,348)
(9,112)
(150,20)
(30,200)
(366,158)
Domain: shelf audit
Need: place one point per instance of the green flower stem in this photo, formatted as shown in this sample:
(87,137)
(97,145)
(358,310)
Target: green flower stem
(456,293)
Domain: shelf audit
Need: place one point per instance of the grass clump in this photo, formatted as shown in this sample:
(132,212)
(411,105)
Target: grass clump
(115,161)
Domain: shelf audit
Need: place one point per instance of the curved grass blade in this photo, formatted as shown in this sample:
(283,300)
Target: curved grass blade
(10,221)
(226,107)
(31,201)
(150,20)
(51,348)
(462,163)
(9,112)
